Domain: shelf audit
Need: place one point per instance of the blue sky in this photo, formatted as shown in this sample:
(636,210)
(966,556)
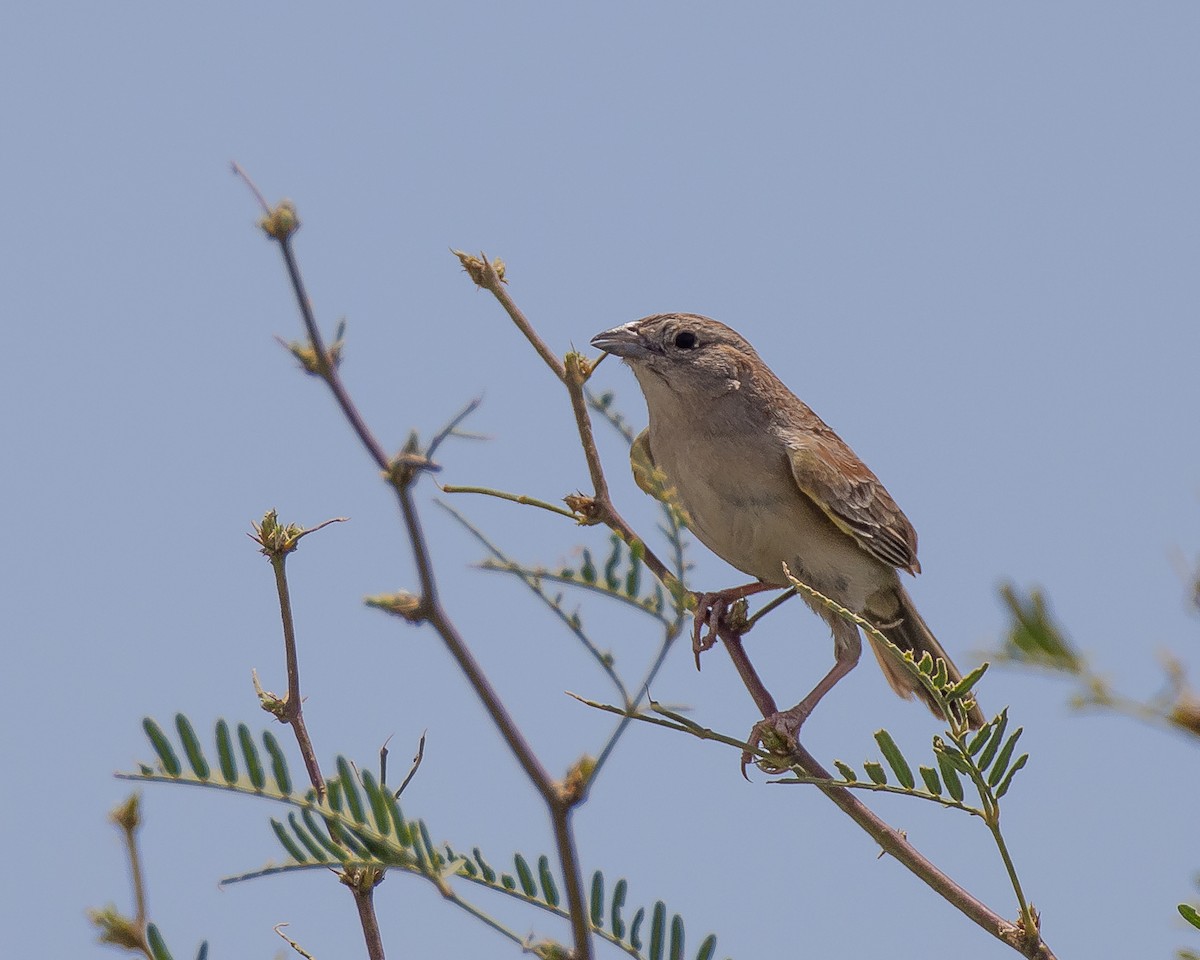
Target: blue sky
(965,234)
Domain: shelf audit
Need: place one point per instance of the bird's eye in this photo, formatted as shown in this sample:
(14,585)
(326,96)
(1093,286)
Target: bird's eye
(685,340)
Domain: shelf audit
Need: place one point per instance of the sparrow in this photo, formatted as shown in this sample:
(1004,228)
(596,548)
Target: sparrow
(766,484)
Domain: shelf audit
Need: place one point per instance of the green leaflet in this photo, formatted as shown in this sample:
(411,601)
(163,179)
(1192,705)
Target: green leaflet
(162,747)
(895,759)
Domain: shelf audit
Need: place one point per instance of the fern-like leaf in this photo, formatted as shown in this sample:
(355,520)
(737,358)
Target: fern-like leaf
(341,830)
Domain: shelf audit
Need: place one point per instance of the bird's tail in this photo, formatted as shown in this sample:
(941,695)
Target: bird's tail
(897,619)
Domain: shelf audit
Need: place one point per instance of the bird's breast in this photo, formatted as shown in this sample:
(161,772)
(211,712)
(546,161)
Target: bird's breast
(745,506)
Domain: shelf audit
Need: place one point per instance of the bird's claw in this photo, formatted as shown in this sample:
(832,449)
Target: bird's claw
(723,610)
(706,622)
(778,735)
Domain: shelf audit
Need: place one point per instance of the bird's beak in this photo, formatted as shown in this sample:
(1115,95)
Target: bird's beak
(623,341)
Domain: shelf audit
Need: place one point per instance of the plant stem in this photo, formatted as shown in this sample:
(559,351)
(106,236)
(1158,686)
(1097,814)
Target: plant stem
(432,612)
(137,878)
(364,900)
(293,711)
(890,840)
(671,635)
(325,367)
(573,376)
(488,278)
(564,840)
(603,509)
(514,497)
(1032,932)
(530,580)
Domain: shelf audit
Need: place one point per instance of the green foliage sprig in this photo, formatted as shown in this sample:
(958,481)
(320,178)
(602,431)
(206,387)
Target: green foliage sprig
(359,826)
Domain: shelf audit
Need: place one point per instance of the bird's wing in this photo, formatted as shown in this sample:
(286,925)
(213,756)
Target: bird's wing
(642,462)
(829,474)
(649,476)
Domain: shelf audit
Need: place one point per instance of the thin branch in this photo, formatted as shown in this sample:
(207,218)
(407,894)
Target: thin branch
(436,617)
(959,735)
(564,840)
(445,628)
(416,765)
(602,509)
(325,368)
(451,428)
(277,542)
(1022,939)
(1029,916)
(490,276)
(1182,716)
(890,840)
(364,900)
(513,497)
(401,476)
(245,178)
(670,721)
(671,635)
(278,928)
(573,374)
(137,876)
(474,911)
(768,608)
(893,842)
(578,370)
(611,417)
(871,787)
(541,573)
(604,660)
(127,933)
(671,508)
(291,711)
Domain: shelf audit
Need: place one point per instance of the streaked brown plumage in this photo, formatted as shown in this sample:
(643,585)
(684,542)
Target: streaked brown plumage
(766,483)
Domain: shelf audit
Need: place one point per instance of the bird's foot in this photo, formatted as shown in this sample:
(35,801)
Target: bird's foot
(777,734)
(710,608)
(723,610)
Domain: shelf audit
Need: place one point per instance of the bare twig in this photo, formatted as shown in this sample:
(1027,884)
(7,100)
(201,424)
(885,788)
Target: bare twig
(602,508)
(671,634)
(597,654)
(326,368)
(276,542)
(573,374)
(416,765)
(768,608)
(541,573)
(278,928)
(293,711)
(128,817)
(578,371)
(363,889)
(401,474)
(451,428)
(490,275)
(245,178)
(513,497)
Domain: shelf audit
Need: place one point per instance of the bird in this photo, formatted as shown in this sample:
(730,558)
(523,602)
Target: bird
(769,487)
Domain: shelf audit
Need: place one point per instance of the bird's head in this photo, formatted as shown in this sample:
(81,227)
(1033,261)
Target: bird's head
(688,355)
